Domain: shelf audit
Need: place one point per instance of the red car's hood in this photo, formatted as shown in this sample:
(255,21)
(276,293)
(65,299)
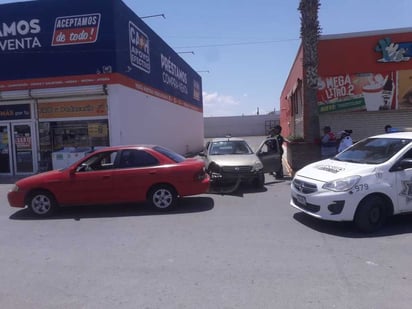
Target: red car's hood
(42,177)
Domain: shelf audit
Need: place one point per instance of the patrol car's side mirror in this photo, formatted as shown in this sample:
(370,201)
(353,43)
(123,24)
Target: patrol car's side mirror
(402,165)
(202,154)
(406,163)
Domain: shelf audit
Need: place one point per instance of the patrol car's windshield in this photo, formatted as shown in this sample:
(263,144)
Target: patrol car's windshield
(373,150)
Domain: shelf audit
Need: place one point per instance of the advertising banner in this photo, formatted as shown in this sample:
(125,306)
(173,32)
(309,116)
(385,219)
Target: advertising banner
(357,92)
(15,112)
(77,42)
(405,89)
(144,56)
(87,108)
(50,39)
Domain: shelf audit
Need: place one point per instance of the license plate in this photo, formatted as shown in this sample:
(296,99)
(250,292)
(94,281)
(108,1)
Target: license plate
(301,199)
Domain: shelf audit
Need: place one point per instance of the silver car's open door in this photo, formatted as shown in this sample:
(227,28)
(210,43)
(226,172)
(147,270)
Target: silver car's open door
(269,155)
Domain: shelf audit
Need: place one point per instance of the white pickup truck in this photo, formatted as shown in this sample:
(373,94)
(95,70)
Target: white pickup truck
(365,184)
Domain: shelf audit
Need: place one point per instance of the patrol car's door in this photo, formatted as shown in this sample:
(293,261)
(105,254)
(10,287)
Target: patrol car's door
(404,182)
(269,155)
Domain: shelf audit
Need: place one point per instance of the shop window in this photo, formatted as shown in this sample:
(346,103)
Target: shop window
(70,136)
(295,103)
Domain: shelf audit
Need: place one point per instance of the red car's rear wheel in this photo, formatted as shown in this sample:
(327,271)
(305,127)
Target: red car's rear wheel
(162,197)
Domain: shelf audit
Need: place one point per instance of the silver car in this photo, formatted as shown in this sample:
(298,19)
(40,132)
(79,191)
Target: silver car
(231,161)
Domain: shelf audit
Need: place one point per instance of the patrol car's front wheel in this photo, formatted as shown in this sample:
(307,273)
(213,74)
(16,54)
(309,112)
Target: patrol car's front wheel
(371,214)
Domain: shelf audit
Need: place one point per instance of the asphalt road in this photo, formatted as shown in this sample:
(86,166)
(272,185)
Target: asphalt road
(245,250)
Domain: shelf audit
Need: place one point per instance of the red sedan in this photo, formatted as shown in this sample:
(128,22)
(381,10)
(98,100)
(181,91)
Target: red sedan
(121,174)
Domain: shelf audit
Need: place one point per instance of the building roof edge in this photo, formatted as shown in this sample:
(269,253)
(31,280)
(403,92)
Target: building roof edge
(364,33)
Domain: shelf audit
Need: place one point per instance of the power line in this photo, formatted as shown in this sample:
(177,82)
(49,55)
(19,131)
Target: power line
(238,43)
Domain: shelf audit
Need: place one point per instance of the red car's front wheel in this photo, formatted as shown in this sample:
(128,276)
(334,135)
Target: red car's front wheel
(41,203)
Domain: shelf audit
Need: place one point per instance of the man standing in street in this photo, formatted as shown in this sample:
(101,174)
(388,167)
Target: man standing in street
(276,133)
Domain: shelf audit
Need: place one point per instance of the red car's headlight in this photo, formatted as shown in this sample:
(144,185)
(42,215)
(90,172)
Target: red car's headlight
(201,175)
(15,188)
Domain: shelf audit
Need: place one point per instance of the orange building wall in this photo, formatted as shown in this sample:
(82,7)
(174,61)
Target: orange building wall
(344,54)
(285,107)
(357,55)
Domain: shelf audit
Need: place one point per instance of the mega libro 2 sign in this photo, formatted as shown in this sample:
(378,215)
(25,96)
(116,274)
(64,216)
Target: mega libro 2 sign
(74,42)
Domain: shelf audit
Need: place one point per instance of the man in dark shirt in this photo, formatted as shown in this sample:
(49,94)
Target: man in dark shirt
(276,133)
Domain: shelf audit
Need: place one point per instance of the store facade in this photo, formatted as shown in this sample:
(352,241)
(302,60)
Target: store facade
(83,75)
(364,84)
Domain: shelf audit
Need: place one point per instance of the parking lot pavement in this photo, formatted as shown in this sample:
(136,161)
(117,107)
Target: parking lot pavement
(247,249)
(10,179)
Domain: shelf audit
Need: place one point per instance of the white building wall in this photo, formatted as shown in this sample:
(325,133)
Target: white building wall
(138,118)
(253,125)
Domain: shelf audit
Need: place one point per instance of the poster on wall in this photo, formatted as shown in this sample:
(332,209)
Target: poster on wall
(405,89)
(357,92)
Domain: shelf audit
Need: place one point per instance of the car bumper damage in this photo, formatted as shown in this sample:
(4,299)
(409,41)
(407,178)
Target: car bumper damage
(229,182)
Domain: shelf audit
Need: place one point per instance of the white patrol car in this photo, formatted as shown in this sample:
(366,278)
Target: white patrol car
(366,183)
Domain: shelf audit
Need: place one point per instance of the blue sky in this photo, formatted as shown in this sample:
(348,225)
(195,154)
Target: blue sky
(247,47)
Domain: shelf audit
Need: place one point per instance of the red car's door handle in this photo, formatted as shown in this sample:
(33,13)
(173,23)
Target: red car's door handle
(106,176)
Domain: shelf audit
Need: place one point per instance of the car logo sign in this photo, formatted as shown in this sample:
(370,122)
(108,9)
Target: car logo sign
(237,169)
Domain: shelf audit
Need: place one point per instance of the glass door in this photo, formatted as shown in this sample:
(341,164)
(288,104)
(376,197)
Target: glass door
(23,149)
(5,162)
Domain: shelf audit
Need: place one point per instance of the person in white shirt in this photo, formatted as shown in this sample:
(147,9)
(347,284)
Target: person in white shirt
(345,140)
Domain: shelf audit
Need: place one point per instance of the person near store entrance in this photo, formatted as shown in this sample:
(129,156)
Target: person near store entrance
(345,140)
(328,143)
(276,133)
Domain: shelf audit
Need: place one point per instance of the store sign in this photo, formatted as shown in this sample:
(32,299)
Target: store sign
(15,112)
(405,89)
(77,42)
(72,109)
(76,29)
(23,142)
(21,34)
(357,92)
(393,51)
(97,130)
(139,48)
(173,76)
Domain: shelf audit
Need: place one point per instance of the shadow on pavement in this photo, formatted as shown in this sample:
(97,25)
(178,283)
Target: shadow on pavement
(240,190)
(245,188)
(396,225)
(185,205)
